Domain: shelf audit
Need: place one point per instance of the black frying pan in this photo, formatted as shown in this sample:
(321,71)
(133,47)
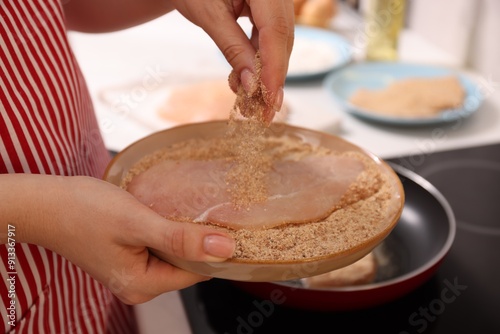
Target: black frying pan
(410,255)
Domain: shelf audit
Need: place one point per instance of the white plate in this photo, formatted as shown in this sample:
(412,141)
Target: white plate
(142,103)
(378,75)
(316,52)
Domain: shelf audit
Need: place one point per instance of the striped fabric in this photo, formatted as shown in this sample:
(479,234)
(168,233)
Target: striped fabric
(47,126)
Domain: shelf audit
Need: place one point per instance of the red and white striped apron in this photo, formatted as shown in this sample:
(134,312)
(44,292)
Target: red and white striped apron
(48,126)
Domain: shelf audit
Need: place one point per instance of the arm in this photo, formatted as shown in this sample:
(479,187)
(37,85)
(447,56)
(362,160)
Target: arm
(105,231)
(110,15)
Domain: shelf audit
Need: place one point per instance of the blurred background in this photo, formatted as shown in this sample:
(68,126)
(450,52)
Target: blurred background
(464,30)
(459,35)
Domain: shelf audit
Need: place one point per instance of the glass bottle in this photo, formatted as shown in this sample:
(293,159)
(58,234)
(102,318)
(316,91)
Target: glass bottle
(384,20)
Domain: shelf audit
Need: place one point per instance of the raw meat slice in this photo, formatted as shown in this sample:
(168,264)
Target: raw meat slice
(214,101)
(300,191)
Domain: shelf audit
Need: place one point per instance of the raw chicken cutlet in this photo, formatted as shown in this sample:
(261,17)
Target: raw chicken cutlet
(197,191)
(318,201)
(202,101)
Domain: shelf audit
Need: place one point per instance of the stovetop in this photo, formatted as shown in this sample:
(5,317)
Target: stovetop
(470,180)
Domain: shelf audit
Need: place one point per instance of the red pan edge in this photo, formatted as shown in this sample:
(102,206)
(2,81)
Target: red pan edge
(347,300)
(360,297)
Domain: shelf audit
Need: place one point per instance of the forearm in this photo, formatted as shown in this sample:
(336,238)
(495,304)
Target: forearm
(27,206)
(111,15)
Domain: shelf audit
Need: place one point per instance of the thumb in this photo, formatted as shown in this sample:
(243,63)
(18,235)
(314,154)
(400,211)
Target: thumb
(188,241)
(236,47)
(219,20)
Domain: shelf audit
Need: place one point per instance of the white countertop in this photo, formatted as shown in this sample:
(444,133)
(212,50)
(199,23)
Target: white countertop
(170,46)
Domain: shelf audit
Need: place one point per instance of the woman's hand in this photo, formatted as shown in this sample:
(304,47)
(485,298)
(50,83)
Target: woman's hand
(272,34)
(107,232)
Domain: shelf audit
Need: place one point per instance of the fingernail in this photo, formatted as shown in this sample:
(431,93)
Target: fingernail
(268,117)
(278,99)
(234,81)
(219,247)
(248,81)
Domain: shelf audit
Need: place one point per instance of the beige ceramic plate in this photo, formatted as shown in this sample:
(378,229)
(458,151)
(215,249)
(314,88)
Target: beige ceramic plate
(261,271)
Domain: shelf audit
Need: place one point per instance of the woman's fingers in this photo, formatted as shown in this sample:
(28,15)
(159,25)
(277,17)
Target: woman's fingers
(274,22)
(187,241)
(272,35)
(233,43)
(157,277)
(168,241)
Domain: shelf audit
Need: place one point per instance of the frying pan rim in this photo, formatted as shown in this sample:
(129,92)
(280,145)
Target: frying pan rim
(429,187)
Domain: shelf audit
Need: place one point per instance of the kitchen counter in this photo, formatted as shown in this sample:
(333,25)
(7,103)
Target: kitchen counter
(171,45)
